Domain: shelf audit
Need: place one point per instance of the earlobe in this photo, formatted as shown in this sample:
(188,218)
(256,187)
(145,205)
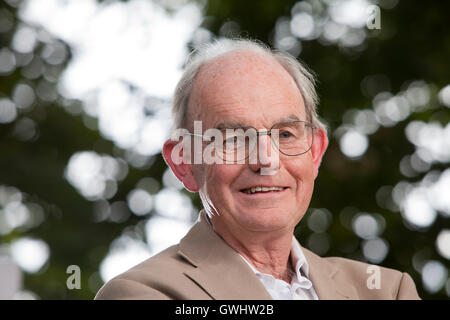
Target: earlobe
(318,149)
(173,155)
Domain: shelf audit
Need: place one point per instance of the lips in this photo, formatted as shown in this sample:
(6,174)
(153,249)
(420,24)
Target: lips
(262,189)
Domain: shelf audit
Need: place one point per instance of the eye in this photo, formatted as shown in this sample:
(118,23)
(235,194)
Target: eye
(285,134)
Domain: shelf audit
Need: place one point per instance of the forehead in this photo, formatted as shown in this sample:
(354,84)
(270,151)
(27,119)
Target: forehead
(244,87)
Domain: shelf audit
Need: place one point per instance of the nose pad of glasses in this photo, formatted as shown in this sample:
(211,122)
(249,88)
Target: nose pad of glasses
(258,150)
(266,145)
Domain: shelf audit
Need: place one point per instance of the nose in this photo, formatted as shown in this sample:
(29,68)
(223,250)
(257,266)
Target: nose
(265,157)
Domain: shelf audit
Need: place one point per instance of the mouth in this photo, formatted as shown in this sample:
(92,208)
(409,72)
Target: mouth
(262,189)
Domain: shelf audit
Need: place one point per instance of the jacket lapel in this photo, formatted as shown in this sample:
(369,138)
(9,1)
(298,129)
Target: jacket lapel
(325,279)
(219,269)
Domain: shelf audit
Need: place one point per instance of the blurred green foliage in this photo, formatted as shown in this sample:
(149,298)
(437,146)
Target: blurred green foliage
(413,44)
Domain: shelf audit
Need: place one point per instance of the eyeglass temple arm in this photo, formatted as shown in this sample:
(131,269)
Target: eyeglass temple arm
(207,138)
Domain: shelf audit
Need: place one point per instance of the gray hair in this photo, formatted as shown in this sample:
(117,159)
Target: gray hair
(303,77)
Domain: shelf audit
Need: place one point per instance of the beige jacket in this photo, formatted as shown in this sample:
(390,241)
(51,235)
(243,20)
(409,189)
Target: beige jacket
(202,267)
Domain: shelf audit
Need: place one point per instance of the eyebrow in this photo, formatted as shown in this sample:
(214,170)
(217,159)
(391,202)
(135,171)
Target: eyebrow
(237,124)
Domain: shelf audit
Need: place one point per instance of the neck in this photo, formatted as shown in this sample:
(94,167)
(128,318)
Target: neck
(268,252)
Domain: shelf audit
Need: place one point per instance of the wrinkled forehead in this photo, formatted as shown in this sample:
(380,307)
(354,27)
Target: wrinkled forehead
(237,85)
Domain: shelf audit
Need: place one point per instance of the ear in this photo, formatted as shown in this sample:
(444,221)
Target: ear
(173,155)
(320,144)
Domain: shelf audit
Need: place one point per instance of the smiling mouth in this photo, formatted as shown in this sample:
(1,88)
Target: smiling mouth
(254,190)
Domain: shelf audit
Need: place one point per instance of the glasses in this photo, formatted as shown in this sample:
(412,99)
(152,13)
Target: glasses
(291,138)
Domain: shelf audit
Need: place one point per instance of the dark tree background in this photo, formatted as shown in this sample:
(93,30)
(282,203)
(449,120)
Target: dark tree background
(412,44)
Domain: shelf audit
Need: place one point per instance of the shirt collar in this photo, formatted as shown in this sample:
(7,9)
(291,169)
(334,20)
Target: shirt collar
(301,265)
(298,258)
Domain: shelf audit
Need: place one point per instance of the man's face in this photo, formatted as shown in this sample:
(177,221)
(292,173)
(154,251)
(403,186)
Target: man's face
(252,90)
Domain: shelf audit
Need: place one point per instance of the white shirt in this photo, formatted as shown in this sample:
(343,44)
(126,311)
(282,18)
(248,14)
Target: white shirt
(300,288)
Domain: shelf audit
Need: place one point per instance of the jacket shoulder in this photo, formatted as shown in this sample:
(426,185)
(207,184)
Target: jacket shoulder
(374,281)
(159,277)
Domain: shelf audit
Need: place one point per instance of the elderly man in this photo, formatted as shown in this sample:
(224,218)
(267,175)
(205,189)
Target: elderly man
(248,98)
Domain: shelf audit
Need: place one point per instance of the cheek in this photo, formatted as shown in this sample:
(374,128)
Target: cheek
(220,178)
(303,173)
(302,170)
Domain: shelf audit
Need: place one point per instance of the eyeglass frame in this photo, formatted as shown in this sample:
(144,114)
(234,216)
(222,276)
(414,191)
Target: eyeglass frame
(262,133)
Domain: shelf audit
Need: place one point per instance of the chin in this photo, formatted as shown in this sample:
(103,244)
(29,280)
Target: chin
(265,219)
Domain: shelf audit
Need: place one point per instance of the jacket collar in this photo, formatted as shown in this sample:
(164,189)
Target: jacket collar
(224,275)
(326,280)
